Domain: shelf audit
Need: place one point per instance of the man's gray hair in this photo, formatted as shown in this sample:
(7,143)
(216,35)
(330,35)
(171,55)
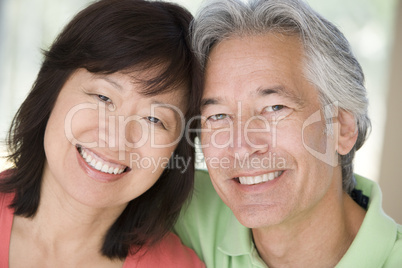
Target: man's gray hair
(329,62)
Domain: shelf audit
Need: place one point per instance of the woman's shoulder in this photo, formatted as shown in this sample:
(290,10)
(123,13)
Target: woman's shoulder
(6,173)
(6,221)
(5,198)
(169,252)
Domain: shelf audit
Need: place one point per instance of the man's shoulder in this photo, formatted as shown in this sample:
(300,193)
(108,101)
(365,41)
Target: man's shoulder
(209,227)
(380,238)
(203,183)
(399,238)
(395,258)
(205,202)
(365,185)
(202,179)
(203,221)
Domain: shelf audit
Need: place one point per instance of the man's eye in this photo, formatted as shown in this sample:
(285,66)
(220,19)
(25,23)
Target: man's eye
(274,108)
(217,117)
(154,120)
(104,98)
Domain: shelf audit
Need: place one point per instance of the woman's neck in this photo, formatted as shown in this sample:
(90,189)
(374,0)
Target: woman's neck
(64,227)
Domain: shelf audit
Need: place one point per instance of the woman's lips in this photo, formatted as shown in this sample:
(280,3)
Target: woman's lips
(98,168)
(100,164)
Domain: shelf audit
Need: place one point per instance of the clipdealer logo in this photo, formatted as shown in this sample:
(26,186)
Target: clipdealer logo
(110,124)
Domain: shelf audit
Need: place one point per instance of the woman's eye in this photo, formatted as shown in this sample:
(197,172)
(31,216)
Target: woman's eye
(104,98)
(274,108)
(217,117)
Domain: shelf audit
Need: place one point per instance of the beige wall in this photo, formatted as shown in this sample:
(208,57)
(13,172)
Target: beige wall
(391,166)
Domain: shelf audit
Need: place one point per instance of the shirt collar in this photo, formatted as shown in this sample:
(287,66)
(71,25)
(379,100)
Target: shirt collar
(238,241)
(377,234)
(377,229)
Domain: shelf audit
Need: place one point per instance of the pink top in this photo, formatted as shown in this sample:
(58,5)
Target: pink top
(169,252)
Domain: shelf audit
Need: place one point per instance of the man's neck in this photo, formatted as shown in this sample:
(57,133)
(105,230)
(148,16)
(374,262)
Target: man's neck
(319,238)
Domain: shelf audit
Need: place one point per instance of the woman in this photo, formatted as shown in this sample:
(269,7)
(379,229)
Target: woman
(97,143)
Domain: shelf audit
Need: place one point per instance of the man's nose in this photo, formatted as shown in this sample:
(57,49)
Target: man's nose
(251,137)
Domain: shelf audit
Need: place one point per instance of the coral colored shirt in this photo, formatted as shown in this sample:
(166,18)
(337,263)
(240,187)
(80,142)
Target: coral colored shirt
(170,252)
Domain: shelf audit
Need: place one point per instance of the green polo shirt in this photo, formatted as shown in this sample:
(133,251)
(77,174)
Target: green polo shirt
(209,227)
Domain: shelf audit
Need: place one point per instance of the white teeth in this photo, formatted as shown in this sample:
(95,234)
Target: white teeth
(100,165)
(105,168)
(88,158)
(259,179)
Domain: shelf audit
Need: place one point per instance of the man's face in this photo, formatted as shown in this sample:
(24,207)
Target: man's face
(259,129)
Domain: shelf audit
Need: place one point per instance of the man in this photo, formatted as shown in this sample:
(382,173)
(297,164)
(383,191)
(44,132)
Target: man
(283,111)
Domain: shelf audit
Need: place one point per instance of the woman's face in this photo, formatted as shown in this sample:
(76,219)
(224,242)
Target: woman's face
(105,142)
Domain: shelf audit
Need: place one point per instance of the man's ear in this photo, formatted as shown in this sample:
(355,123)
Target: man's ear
(347,132)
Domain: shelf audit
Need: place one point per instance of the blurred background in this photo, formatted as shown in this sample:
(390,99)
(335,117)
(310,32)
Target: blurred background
(373,27)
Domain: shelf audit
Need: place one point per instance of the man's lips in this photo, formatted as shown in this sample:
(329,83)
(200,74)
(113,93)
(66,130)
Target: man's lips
(251,180)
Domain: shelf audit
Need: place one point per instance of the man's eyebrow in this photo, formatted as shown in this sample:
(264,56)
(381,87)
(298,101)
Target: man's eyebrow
(260,92)
(281,91)
(209,101)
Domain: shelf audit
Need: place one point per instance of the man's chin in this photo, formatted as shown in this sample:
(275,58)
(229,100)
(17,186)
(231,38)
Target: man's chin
(256,217)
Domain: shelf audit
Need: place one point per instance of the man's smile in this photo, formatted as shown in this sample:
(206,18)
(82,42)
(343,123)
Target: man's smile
(250,180)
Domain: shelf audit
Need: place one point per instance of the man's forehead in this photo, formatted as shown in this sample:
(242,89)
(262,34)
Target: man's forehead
(247,44)
(259,66)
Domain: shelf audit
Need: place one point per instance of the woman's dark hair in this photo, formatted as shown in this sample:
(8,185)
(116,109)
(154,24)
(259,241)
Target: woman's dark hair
(106,37)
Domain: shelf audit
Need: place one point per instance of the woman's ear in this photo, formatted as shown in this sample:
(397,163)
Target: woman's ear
(347,132)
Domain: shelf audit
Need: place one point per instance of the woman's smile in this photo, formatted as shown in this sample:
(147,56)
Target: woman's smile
(100,164)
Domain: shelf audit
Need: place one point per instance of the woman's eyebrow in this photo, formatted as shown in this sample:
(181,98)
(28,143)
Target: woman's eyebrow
(111,81)
(168,106)
(165,105)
